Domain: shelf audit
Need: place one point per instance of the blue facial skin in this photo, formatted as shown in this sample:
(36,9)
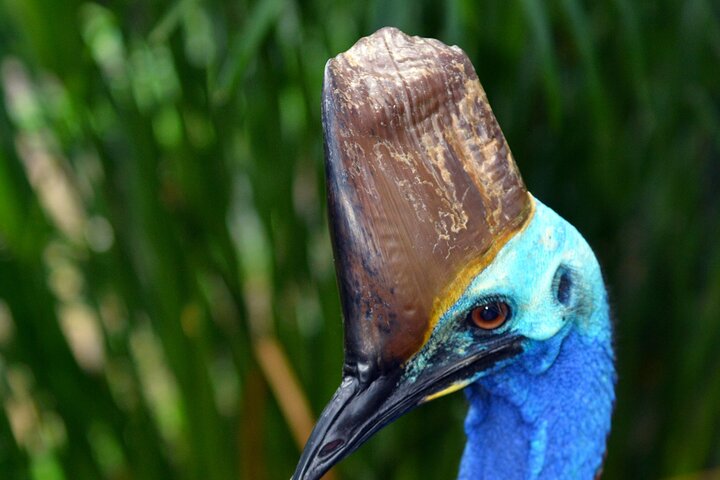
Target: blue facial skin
(544,414)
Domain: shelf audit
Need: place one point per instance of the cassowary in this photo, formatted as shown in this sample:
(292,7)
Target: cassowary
(452,276)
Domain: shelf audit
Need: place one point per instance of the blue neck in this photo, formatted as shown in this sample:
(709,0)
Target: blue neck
(544,417)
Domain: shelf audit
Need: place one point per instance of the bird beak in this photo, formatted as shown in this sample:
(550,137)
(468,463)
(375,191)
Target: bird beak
(360,408)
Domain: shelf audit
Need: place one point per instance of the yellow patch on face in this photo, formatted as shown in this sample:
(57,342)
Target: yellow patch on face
(446,391)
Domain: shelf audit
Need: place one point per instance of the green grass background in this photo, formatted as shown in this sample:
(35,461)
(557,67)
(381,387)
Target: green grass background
(162,209)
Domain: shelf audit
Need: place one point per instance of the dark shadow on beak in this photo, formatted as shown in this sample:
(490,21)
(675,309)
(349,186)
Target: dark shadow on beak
(359,409)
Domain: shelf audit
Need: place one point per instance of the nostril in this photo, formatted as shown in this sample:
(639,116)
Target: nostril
(330,447)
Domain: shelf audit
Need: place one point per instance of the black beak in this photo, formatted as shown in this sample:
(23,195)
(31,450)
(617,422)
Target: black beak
(360,408)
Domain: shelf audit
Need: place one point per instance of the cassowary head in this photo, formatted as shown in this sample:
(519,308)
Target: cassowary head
(450,272)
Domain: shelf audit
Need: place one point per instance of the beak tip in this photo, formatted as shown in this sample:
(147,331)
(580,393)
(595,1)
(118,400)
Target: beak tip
(325,446)
(305,473)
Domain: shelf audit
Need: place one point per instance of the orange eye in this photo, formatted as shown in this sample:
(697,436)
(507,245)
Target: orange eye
(490,315)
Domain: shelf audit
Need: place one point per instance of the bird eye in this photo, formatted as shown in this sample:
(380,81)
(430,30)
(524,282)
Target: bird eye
(490,315)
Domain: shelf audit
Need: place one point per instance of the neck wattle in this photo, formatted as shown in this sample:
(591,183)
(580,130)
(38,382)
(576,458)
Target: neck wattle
(546,416)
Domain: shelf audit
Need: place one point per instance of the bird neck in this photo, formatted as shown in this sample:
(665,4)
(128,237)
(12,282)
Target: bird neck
(546,416)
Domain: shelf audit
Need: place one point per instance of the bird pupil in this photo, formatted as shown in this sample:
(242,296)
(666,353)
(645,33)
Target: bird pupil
(490,312)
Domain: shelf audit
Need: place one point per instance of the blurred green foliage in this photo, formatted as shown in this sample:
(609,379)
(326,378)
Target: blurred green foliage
(162,208)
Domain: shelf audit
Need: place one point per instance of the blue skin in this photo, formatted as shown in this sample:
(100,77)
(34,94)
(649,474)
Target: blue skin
(544,414)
